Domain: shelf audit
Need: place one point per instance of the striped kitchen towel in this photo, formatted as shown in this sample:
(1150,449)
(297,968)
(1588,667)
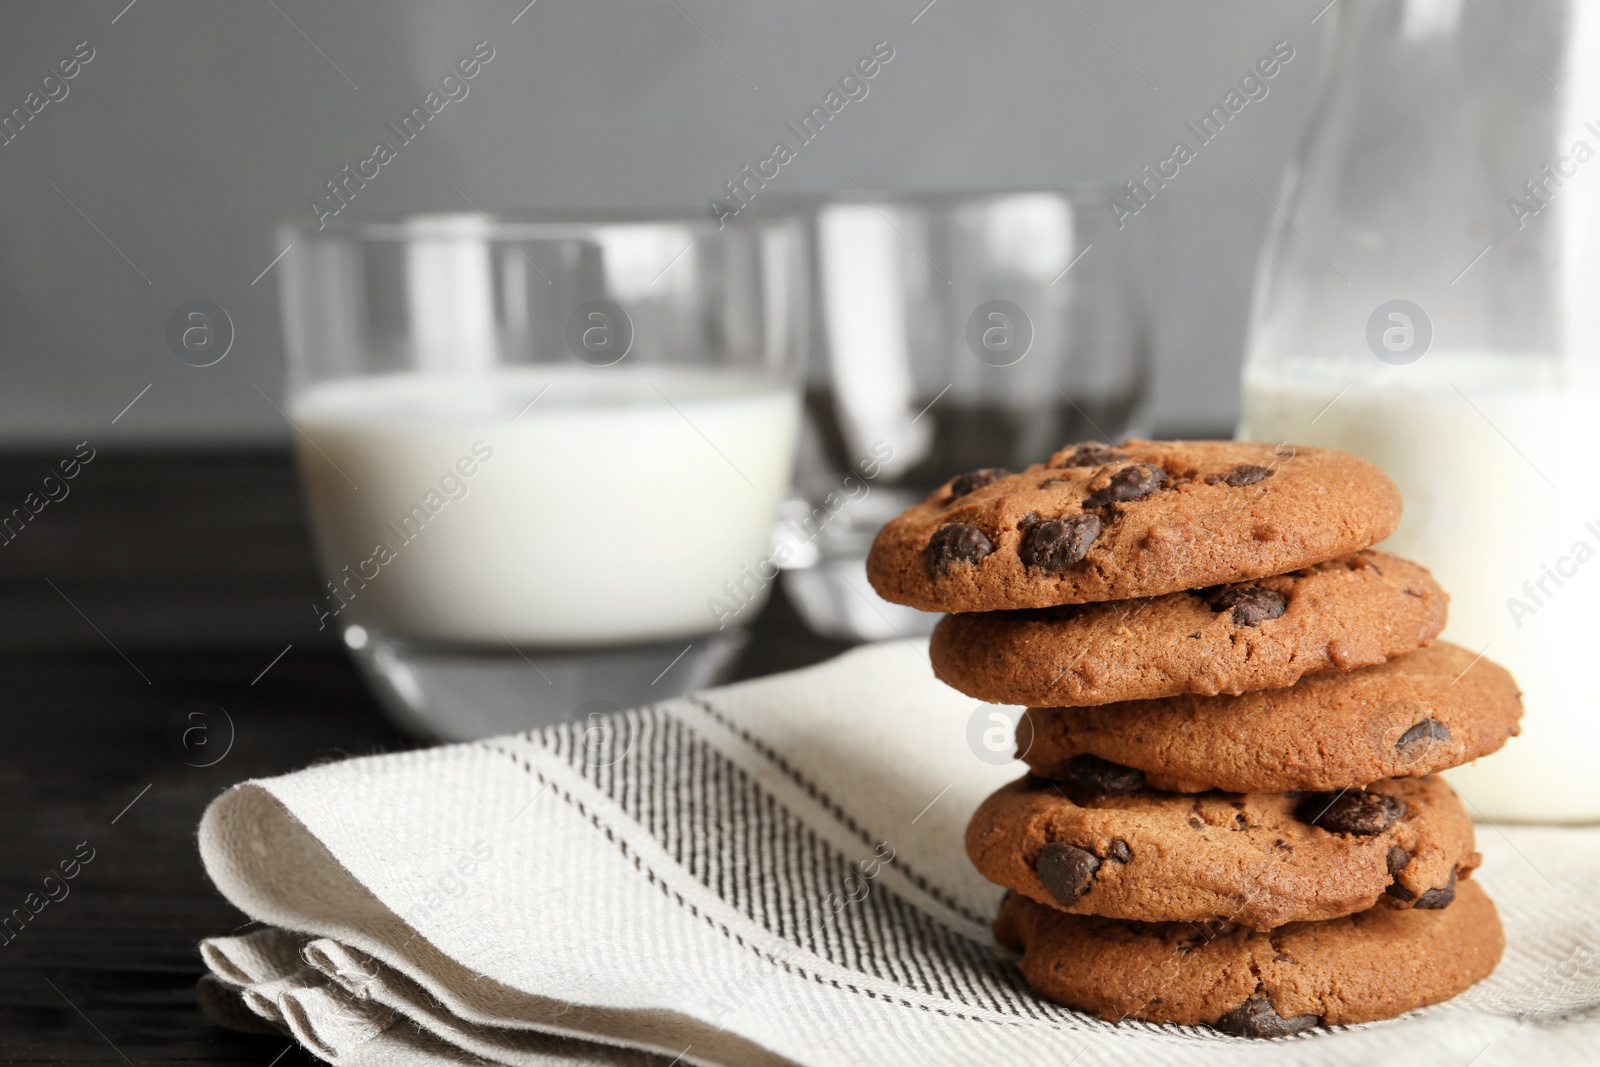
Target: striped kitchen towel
(766,873)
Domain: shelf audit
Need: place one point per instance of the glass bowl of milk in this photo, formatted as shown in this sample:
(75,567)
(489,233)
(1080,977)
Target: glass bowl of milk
(537,450)
(1428,299)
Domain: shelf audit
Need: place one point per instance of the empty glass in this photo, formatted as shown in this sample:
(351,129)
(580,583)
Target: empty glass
(959,331)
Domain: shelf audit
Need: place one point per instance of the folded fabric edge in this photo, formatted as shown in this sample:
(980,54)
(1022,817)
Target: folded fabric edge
(583,1023)
(224,1004)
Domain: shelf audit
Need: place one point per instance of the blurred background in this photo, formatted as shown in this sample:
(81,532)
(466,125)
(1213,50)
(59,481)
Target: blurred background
(196,128)
(199,125)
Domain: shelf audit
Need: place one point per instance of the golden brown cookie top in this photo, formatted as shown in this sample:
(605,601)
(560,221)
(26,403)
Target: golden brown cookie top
(1426,711)
(1353,611)
(1104,845)
(1375,964)
(1138,520)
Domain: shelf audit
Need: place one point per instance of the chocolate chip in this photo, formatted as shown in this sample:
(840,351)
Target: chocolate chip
(1067,871)
(1242,475)
(1251,605)
(1434,899)
(1092,454)
(1197,822)
(1056,544)
(1028,520)
(955,543)
(1048,482)
(966,483)
(1351,812)
(1118,850)
(1397,860)
(1416,740)
(1127,485)
(1095,775)
(1256,1017)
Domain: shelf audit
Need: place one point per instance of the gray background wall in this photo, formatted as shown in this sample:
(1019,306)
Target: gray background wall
(201,123)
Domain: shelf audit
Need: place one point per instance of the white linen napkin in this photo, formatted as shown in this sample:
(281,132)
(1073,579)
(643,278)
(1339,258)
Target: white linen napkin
(767,873)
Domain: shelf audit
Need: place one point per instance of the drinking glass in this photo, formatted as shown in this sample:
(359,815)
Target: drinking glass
(542,454)
(958,330)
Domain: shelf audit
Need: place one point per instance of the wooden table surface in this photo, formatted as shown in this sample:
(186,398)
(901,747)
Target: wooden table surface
(163,578)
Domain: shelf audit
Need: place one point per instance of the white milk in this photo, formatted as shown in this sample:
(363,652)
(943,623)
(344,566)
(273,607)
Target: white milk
(608,511)
(1519,557)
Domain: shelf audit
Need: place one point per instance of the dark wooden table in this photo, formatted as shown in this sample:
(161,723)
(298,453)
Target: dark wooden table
(162,579)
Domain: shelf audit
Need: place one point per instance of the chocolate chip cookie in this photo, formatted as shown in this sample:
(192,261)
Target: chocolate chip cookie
(1375,964)
(1138,520)
(1428,710)
(1102,844)
(1349,612)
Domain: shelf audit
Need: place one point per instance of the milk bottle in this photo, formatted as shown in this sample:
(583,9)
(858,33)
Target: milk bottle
(1427,299)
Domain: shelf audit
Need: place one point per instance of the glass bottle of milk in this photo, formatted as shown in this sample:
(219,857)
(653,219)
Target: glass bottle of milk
(1429,298)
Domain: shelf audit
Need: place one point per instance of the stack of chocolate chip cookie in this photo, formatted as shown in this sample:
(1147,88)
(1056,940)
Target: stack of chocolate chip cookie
(1237,709)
